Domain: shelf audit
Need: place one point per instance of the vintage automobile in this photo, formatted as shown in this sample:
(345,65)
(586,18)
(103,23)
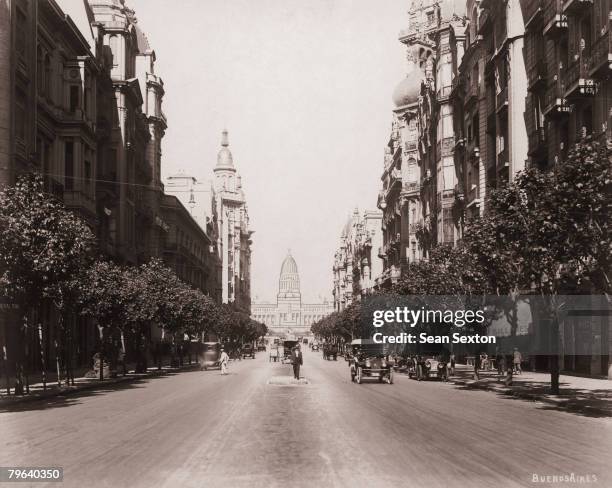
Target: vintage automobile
(314,346)
(427,366)
(369,361)
(248,351)
(211,353)
(261,346)
(330,351)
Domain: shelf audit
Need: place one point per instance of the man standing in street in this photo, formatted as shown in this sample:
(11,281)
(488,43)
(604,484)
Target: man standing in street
(224,359)
(297,361)
(517,359)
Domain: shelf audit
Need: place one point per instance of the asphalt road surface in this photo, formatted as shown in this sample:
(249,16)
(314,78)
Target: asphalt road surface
(202,429)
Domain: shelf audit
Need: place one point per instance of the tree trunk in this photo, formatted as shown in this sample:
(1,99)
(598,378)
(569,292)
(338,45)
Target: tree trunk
(101,353)
(43,361)
(554,357)
(19,372)
(5,367)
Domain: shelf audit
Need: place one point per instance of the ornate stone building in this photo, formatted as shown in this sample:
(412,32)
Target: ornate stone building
(81,104)
(489,103)
(234,237)
(289,315)
(131,224)
(419,174)
(356,263)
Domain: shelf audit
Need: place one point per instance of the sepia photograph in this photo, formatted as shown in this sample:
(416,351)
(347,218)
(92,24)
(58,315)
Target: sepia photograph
(270,243)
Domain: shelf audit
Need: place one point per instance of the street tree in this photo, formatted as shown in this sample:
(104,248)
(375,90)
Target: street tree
(43,246)
(549,233)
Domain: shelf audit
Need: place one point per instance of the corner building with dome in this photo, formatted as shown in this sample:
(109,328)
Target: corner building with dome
(289,315)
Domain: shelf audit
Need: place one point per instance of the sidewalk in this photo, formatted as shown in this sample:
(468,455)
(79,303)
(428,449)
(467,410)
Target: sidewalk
(82,383)
(589,396)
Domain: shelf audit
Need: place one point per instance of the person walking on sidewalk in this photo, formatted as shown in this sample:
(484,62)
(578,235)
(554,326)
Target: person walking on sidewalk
(517,359)
(297,360)
(224,359)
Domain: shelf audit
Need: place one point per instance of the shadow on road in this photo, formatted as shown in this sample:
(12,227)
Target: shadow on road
(73,397)
(584,402)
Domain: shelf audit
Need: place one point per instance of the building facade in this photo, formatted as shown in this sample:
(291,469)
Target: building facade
(289,315)
(489,94)
(419,176)
(81,104)
(568,55)
(356,262)
(234,237)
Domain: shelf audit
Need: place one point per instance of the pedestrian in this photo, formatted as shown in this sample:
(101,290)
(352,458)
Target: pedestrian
(297,361)
(517,359)
(500,362)
(452,364)
(224,359)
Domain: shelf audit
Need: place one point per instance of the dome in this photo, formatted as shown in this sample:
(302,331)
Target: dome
(289,266)
(409,89)
(289,282)
(224,157)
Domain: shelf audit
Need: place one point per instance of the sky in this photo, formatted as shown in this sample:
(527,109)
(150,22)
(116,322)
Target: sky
(304,89)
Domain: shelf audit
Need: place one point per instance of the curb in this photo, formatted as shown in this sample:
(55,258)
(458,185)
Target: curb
(561,402)
(8,401)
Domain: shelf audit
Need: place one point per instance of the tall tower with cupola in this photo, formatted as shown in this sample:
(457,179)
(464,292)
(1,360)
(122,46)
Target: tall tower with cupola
(234,239)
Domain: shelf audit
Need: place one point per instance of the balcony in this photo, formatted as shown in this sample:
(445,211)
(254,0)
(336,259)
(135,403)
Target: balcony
(410,145)
(536,76)
(531,11)
(411,187)
(458,191)
(503,158)
(600,61)
(555,103)
(472,93)
(575,7)
(456,84)
(501,100)
(555,21)
(447,194)
(577,80)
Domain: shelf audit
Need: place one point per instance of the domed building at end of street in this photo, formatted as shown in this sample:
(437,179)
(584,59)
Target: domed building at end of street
(289,315)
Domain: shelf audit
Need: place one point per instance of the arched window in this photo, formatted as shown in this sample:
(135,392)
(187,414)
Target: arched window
(113,45)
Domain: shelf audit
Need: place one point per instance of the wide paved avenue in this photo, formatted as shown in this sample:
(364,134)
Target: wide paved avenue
(202,429)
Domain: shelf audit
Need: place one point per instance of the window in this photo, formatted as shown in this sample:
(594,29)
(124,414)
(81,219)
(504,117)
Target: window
(113,46)
(69,165)
(74,98)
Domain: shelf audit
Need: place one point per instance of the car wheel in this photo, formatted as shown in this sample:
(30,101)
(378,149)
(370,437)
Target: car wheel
(205,368)
(359,376)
